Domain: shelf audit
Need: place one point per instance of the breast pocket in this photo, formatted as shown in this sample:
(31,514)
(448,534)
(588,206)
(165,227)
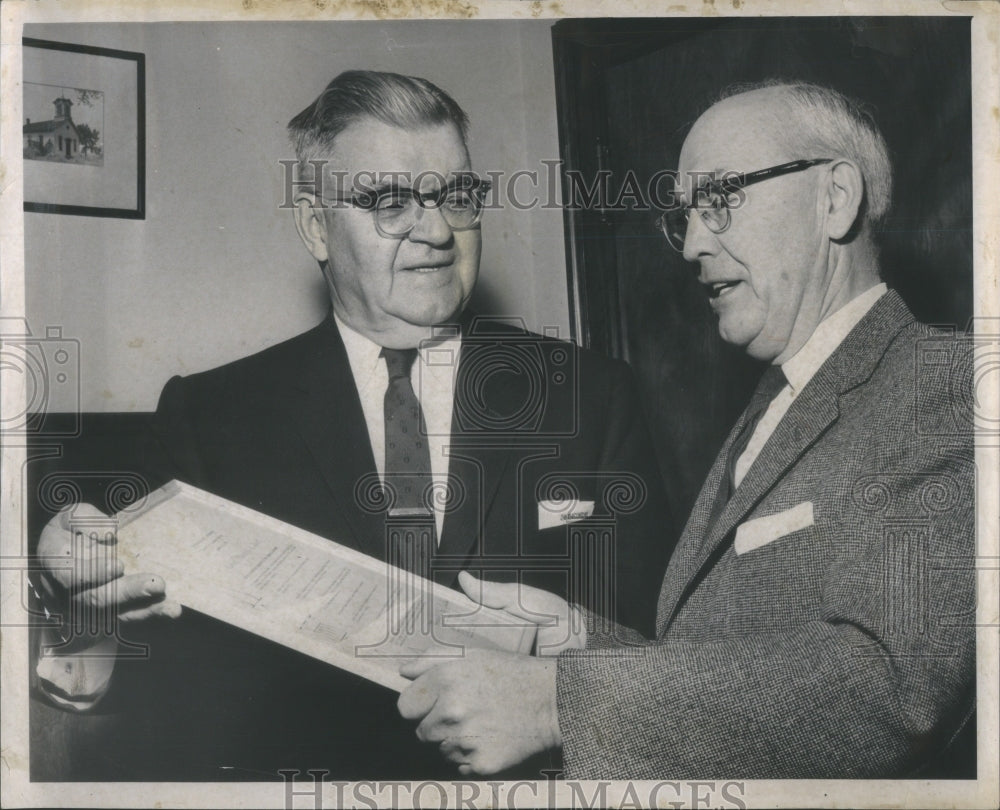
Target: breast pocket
(761,531)
(772,578)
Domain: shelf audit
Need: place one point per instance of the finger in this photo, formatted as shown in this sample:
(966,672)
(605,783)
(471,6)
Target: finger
(124,593)
(470,585)
(413,668)
(56,539)
(522,601)
(97,570)
(500,595)
(436,727)
(86,572)
(417,699)
(433,731)
(481,765)
(166,608)
(63,521)
(80,510)
(454,751)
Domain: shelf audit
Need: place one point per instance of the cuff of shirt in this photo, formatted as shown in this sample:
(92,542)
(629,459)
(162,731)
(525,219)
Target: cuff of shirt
(77,680)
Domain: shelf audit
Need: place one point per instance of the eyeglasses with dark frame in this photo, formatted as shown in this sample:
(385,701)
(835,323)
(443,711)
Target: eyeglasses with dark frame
(715,199)
(397,209)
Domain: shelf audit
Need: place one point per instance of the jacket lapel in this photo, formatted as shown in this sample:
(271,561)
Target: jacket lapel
(481,444)
(478,471)
(328,416)
(810,415)
(683,565)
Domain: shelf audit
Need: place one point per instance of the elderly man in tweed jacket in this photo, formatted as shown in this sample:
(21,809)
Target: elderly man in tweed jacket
(816,619)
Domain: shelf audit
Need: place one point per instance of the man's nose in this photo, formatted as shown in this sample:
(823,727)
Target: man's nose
(698,239)
(431,227)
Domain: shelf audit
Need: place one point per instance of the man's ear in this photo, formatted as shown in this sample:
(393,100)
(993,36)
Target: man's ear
(311,225)
(845,193)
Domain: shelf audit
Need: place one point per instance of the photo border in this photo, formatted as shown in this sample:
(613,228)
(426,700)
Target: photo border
(18,791)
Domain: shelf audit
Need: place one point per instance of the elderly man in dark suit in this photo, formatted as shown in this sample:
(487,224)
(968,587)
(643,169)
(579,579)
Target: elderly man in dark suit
(816,619)
(497,442)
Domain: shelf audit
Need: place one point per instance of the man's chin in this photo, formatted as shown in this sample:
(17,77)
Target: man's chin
(752,343)
(764,350)
(735,334)
(427,317)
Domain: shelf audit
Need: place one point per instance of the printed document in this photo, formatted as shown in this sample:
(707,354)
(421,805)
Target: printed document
(302,590)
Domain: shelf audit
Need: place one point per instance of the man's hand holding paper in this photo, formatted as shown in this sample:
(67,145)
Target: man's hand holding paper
(84,584)
(490,710)
(92,580)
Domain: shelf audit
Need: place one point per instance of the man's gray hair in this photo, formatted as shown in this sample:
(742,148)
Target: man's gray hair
(401,101)
(819,122)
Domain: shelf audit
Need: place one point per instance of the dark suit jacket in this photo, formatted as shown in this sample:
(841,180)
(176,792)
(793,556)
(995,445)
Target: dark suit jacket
(824,626)
(283,432)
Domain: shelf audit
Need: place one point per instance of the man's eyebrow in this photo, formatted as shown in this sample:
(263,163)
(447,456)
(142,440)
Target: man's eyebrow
(386,185)
(391,185)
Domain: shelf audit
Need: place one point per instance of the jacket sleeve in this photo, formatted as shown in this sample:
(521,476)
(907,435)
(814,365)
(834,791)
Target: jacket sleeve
(172,447)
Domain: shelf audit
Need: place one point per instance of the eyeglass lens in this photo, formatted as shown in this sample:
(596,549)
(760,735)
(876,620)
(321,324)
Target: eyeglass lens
(710,204)
(398,211)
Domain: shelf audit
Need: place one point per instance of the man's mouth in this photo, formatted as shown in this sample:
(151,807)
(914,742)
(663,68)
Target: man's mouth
(719,288)
(427,268)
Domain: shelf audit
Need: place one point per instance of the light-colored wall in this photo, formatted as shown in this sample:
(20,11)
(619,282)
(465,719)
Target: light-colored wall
(216,270)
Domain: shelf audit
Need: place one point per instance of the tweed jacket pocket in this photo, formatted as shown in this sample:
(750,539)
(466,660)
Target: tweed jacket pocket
(763,530)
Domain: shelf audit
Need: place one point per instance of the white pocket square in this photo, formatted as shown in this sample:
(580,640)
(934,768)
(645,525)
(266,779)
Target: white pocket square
(558,513)
(763,530)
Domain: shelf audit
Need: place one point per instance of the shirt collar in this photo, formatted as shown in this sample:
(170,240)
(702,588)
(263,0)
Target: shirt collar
(362,352)
(800,368)
(438,355)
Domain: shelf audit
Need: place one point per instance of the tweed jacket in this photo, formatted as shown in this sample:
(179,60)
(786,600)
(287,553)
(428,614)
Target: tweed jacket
(823,627)
(283,432)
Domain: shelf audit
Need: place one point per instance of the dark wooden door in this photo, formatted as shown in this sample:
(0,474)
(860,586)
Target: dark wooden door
(628,91)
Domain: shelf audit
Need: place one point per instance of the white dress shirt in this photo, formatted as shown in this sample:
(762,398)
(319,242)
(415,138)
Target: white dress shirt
(433,379)
(800,369)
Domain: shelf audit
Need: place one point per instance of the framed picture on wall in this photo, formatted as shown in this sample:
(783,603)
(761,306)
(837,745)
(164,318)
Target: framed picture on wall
(84,130)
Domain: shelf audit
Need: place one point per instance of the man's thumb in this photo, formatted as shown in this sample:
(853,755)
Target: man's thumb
(501,595)
(508,596)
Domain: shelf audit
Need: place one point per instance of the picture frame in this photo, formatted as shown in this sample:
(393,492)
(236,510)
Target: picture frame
(84,130)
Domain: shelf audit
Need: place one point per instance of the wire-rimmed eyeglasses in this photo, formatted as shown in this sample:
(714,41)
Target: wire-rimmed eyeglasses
(396,210)
(714,200)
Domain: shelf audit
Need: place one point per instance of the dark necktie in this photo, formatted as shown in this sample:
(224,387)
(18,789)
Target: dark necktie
(772,381)
(410,529)
(770,384)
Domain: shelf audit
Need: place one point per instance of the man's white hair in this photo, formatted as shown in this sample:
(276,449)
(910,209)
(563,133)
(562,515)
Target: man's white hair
(819,122)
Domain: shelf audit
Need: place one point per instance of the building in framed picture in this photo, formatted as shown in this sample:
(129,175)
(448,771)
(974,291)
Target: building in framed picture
(60,138)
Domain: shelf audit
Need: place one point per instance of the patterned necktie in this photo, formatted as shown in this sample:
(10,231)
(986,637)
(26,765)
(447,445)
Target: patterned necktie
(772,381)
(411,535)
